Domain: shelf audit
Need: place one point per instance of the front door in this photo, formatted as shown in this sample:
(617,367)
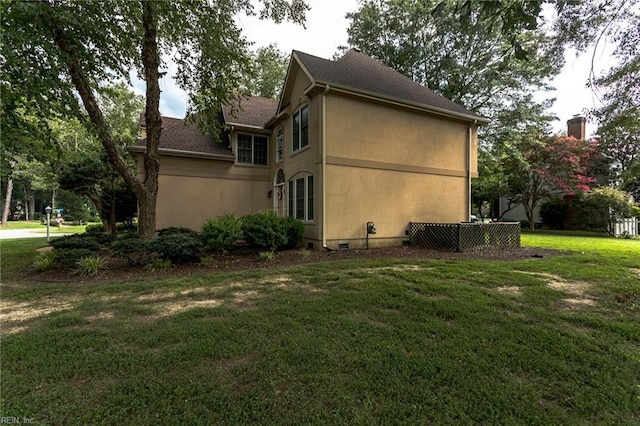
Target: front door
(279,195)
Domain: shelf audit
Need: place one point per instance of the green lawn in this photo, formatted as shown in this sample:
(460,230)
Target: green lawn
(23,224)
(540,341)
(36,225)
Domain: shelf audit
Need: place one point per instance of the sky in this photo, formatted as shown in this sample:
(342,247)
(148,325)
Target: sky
(326,30)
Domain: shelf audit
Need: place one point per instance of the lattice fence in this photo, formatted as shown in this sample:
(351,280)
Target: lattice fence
(465,236)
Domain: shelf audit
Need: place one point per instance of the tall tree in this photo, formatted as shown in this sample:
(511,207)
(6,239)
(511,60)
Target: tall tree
(619,116)
(269,72)
(541,166)
(456,50)
(62,50)
(85,169)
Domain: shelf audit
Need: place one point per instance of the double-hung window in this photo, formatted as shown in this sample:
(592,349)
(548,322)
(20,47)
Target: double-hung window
(252,149)
(300,129)
(279,146)
(301,198)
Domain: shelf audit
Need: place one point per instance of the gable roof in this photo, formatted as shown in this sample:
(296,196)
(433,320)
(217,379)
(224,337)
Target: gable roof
(357,72)
(250,112)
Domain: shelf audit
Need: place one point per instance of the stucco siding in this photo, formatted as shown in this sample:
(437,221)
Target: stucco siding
(390,199)
(372,132)
(194,190)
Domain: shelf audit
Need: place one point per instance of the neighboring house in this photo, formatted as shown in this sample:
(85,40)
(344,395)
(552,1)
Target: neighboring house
(349,142)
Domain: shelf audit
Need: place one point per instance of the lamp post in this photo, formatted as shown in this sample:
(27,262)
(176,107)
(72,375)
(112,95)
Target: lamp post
(48,210)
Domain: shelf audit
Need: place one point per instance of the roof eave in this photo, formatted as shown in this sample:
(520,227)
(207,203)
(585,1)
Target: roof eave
(250,128)
(399,101)
(182,153)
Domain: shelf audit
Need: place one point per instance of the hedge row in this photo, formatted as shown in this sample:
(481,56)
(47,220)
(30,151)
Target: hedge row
(221,235)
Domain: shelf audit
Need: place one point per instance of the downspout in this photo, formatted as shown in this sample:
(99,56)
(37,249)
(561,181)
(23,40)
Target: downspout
(324,169)
(469,205)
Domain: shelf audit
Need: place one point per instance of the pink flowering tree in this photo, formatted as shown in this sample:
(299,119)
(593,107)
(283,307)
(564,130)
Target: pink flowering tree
(542,166)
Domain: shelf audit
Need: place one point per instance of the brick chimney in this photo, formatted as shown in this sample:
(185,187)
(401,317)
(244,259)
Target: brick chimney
(576,127)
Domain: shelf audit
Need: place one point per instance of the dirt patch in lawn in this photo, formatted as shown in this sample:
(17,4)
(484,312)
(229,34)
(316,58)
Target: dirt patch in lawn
(246,259)
(574,288)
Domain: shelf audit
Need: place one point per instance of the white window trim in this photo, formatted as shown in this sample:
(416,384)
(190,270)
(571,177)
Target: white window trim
(293,139)
(279,144)
(253,156)
(292,196)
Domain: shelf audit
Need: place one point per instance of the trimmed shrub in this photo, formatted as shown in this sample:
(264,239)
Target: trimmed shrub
(264,230)
(222,233)
(76,241)
(131,248)
(126,227)
(295,232)
(178,247)
(94,229)
(70,257)
(177,230)
(553,213)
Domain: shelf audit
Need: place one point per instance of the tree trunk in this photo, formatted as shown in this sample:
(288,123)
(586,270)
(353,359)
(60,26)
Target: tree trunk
(151,60)
(7,201)
(147,190)
(112,210)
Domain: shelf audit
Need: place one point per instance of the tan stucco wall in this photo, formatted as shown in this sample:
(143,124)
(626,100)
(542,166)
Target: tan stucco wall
(390,199)
(392,166)
(373,132)
(384,164)
(307,160)
(194,190)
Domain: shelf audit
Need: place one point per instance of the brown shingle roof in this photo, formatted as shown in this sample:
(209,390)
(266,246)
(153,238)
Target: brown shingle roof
(254,111)
(182,135)
(358,71)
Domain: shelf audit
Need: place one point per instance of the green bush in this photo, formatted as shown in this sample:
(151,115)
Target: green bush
(131,248)
(552,213)
(76,241)
(126,227)
(295,232)
(70,257)
(94,229)
(601,207)
(222,233)
(178,247)
(177,230)
(264,230)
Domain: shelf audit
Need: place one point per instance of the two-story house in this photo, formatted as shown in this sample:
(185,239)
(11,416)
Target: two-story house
(349,142)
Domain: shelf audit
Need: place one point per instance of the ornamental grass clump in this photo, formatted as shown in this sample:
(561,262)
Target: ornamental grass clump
(91,266)
(45,261)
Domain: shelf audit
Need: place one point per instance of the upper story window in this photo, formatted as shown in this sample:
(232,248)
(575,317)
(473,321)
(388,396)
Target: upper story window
(252,149)
(279,146)
(301,129)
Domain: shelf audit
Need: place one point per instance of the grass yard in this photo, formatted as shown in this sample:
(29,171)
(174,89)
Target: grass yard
(23,224)
(38,227)
(538,341)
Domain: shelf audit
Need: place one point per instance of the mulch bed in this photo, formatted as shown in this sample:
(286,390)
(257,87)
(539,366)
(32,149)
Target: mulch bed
(245,259)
